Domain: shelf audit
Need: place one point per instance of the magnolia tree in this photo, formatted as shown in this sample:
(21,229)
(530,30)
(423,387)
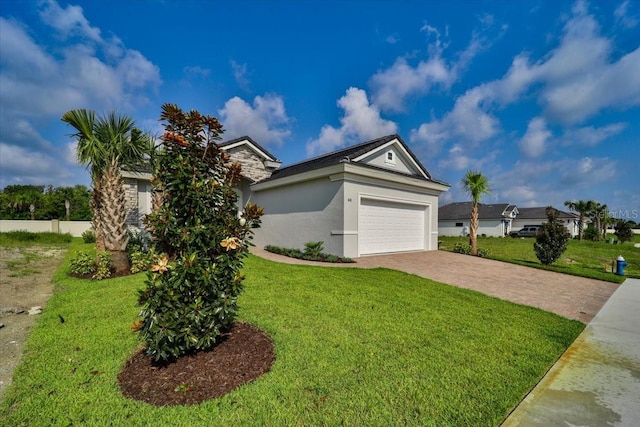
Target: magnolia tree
(191,292)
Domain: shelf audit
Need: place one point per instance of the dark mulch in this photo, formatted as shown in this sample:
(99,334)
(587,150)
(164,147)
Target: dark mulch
(243,354)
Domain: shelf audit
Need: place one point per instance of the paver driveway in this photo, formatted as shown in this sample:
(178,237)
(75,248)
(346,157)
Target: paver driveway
(569,296)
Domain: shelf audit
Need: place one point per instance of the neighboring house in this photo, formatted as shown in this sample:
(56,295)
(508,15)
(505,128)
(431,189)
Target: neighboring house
(374,197)
(493,220)
(538,215)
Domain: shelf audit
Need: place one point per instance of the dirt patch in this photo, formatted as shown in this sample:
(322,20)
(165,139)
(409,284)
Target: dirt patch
(25,282)
(243,354)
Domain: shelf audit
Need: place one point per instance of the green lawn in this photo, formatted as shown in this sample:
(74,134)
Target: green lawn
(353,347)
(582,258)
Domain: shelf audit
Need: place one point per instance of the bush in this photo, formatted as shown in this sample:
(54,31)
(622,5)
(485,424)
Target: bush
(103,265)
(313,249)
(138,242)
(82,264)
(142,261)
(624,231)
(462,248)
(186,305)
(483,252)
(590,233)
(312,252)
(551,239)
(89,236)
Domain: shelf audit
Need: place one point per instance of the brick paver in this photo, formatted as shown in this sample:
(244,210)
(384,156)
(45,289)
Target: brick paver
(569,296)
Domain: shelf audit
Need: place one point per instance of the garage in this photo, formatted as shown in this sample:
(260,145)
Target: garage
(390,226)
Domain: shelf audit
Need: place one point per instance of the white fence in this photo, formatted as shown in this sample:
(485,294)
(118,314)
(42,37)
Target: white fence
(75,228)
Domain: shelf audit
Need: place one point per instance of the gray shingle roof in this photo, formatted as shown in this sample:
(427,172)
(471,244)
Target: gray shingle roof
(347,155)
(540,213)
(462,211)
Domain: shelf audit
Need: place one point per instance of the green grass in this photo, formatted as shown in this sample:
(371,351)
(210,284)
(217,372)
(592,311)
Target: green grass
(20,238)
(353,347)
(582,258)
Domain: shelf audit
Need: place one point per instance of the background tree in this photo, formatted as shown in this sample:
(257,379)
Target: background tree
(624,230)
(17,199)
(476,185)
(106,145)
(583,208)
(551,239)
(49,201)
(599,214)
(187,304)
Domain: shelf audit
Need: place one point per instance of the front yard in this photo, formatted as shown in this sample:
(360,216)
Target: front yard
(582,258)
(353,347)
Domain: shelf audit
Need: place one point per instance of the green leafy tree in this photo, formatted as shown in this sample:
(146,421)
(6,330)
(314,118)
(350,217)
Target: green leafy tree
(624,230)
(476,185)
(583,207)
(186,304)
(551,239)
(106,144)
(17,201)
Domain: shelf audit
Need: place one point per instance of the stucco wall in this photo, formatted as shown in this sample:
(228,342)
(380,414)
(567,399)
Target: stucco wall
(301,213)
(75,228)
(493,228)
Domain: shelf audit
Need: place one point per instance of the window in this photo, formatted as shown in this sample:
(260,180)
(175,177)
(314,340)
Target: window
(458,224)
(390,158)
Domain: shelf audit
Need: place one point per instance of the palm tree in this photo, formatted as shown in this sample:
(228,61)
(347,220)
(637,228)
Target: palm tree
(105,145)
(583,207)
(476,185)
(600,218)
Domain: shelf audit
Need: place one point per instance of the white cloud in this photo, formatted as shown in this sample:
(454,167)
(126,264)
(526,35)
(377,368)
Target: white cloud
(391,87)
(467,121)
(38,84)
(623,16)
(591,136)
(266,120)
(533,143)
(240,75)
(69,21)
(361,121)
(32,167)
(572,83)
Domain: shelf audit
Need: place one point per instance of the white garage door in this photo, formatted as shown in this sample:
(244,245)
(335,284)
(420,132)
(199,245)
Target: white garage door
(390,227)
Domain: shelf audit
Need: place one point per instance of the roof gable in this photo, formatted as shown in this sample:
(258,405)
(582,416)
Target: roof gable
(370,154)
(248,143)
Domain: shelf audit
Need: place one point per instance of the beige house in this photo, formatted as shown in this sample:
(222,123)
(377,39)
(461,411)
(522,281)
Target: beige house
(370,198)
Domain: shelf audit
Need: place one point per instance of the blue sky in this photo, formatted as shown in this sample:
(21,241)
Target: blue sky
(543,97)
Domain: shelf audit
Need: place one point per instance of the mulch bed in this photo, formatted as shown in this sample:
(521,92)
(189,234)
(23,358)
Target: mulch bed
(243,354)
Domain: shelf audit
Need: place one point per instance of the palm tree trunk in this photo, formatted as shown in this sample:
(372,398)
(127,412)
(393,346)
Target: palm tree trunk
(114,219)
(96,222)
(473,229)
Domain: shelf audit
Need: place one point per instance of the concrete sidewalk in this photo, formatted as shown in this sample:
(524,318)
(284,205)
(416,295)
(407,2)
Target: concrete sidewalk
(596,382)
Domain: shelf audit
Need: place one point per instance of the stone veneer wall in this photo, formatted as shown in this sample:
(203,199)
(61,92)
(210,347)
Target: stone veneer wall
(252,165)
(131,202)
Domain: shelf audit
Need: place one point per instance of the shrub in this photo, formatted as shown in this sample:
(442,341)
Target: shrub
(313,249)
(551,239)
(82,264)
(483,252)
(591,233)
(623,230)
(103,265)
(462,248)
(142,261)
(138,242)
(312,252)
(89,236)
(186,305)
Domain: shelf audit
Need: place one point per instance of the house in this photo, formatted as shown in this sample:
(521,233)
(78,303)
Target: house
(493,219)
(538,215)
(374,197)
